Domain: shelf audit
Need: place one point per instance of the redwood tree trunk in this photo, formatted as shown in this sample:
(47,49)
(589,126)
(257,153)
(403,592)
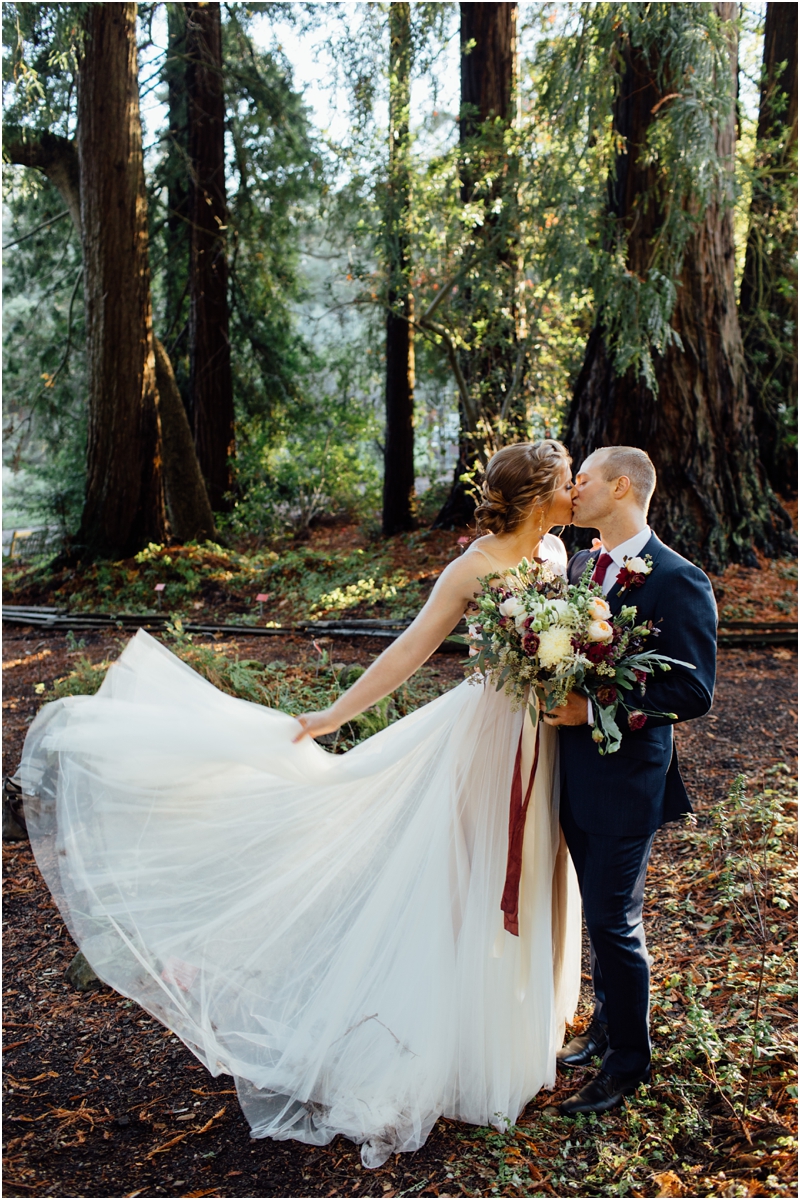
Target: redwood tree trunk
(187,503)
(211,384)
(488,75)
(124,505)
(488,68)
(190,515)
(175,174)
(398,459)
(768,297)
(712,502)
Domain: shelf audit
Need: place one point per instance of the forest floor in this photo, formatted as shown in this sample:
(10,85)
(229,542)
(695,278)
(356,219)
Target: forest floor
(103,1101)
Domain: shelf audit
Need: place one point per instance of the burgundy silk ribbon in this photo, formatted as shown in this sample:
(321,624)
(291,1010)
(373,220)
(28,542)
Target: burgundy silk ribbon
(517,812)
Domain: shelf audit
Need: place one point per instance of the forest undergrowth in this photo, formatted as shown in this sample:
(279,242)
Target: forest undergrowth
(102,1101)
(338,570)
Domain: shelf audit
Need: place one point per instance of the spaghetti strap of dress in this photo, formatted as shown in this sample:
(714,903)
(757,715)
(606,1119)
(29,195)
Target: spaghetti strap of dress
(478,550)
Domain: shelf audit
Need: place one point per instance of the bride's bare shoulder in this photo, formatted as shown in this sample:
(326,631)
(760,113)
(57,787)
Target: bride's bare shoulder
(486,546)
(474,561)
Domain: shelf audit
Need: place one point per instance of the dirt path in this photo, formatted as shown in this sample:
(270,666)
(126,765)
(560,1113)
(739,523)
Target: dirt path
(103,1101)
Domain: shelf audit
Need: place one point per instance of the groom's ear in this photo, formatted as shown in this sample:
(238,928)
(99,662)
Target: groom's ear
(622,487)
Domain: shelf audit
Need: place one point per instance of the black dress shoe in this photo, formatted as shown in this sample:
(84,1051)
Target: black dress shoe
(582,1049)
(602,1093)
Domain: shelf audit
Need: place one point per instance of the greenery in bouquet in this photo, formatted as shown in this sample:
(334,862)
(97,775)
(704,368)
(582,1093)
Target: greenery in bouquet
(539,637)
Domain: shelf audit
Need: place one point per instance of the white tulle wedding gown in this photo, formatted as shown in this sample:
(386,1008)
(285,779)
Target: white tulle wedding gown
(324,928)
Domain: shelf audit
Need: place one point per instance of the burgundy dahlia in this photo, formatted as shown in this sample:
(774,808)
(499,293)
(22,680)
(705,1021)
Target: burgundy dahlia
(530,644)
(636,720)
(607,695)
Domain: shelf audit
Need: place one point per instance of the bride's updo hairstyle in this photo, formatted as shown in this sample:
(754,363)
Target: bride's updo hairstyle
(516,479)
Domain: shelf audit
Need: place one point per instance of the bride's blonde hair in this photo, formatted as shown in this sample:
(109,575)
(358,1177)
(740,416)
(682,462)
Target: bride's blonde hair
(516,479)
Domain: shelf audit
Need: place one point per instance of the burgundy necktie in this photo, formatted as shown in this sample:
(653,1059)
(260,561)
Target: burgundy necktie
(602,565)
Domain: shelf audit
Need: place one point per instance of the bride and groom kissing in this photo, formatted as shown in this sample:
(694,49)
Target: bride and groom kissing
(611,807)
(327,928)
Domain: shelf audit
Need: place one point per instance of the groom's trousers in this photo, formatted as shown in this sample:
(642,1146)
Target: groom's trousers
(611,873)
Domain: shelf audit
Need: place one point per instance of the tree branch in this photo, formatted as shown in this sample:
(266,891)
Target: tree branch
(56,157)
(427,326)
(30,234)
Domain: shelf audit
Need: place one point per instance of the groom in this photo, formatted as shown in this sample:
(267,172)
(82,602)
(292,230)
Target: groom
(612,805)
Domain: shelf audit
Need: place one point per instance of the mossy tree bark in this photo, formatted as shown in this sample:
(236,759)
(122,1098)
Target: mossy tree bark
(489,365)
(768,296)
(398,458)
(211,383)
(124,504)
(712,502)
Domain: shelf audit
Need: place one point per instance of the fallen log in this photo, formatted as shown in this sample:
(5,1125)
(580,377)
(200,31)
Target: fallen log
(730,633)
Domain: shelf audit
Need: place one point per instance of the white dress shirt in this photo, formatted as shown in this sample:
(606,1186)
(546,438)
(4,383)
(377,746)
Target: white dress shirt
(630,549)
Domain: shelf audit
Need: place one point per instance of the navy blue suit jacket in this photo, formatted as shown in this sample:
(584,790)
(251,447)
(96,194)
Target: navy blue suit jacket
(635,790)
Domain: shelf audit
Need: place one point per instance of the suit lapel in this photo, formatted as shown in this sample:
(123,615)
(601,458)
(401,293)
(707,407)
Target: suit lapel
(617,599)
(578,564)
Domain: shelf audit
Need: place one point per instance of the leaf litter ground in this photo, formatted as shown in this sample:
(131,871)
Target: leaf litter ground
(103,1101)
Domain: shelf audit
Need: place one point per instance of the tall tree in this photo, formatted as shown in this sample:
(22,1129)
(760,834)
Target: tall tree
(124,505)
(211,384)
(768,296)
(398,458)
(174,175)
(488,365)
(712,502)
(187,503)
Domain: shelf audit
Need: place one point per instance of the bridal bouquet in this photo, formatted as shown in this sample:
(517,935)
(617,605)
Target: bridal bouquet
(537,634)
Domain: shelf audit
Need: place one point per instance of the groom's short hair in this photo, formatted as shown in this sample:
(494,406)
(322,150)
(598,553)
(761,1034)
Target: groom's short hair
(636,465)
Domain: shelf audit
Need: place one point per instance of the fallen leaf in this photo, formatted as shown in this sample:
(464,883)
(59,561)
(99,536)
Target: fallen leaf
(166,1145)
(210,1121)
(669,1184)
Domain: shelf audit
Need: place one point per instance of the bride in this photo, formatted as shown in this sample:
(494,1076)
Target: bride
(327,928)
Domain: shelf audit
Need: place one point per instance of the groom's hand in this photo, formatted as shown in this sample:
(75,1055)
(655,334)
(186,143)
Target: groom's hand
(574,712)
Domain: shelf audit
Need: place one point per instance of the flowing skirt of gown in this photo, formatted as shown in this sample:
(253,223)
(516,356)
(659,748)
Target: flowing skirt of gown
(324,928)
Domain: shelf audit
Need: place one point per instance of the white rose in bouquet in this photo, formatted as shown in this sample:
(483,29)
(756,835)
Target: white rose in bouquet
(599,609)
(513,607)
(600,631)
(562,609)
